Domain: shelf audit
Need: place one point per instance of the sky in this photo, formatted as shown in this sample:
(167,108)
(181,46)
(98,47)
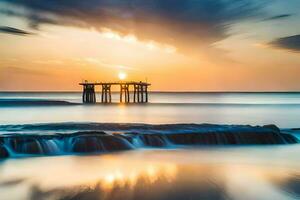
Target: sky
(176,45)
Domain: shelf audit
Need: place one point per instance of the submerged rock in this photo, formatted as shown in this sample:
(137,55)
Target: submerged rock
(227,138)
(272,127)
(154,140)
(32,147)
(99,143)
(3,152)
(115,143)
(26,145)
(85,144)
(230,135)
(152,136)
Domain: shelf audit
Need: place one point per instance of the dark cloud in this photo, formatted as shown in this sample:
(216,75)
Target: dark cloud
(34,20)
(278,17)
(183,23)
(291,43)
(14,31)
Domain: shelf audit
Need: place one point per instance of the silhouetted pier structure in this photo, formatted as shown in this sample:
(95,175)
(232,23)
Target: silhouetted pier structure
(140,91)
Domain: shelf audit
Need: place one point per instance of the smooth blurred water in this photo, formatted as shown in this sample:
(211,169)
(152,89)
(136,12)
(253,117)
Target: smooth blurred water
(282,109)
(238,173)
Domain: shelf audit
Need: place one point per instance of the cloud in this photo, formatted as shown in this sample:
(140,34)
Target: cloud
(34,20)
(278,17)
(186,24)
(291,43)
(14,31)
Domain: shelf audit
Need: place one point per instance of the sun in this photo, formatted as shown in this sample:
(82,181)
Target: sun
(122,75)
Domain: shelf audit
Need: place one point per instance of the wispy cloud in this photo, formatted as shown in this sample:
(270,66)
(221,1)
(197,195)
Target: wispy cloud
(34,19)
(185,24)
(291,43)
(14,31)
(278,17)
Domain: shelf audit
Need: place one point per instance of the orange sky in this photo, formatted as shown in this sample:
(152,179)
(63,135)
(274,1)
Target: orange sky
(57,57)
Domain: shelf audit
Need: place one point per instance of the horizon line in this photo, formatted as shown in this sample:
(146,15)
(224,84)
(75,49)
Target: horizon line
(155,91)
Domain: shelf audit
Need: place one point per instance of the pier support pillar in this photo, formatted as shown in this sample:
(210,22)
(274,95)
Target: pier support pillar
(146,92)
(106,94)
(88,95)
(136,93)
(124,89)
(142,93)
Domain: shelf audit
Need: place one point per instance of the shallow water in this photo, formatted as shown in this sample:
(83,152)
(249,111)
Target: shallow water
(282,109)
(205,173)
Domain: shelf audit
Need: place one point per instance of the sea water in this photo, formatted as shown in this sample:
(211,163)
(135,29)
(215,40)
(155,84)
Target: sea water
(282,109)
(239,173)
(246,172)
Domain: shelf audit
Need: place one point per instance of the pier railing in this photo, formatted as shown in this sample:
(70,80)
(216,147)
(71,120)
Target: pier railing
(140,91)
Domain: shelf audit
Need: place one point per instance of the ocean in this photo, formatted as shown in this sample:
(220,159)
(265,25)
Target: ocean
(282,109)
(178,146)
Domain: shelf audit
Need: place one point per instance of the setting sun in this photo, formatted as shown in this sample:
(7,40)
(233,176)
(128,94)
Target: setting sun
(122,75)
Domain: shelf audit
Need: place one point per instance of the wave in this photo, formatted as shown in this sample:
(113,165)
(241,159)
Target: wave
(60,139)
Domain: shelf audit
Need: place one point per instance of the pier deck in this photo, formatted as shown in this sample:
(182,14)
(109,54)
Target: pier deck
(140,91)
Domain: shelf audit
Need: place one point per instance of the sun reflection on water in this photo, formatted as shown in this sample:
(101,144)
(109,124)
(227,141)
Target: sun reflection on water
(149,175)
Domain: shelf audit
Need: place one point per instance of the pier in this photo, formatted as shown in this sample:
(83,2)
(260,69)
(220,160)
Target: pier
(139,91)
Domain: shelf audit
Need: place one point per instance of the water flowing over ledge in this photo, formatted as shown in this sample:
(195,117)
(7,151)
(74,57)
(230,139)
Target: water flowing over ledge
(83,138)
